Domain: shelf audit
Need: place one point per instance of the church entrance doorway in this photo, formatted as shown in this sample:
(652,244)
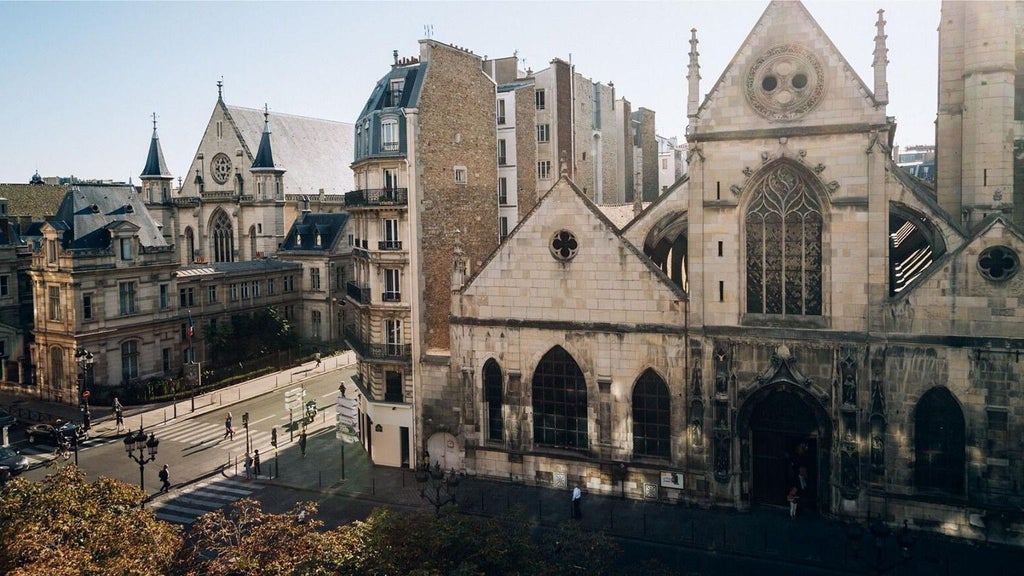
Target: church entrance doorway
(786,442)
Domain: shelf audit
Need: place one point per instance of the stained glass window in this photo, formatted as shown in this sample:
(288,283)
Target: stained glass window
(651,417)
(560,402)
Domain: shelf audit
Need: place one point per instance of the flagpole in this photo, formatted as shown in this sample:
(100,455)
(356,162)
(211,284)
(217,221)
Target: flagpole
(192,357)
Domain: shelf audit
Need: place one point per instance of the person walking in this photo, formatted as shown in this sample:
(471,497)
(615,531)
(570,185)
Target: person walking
(317,357)
(118,414)
(792,497)
(577,496)
(228,430)
(302,443)
(165,479)
(256,463)
(248,466)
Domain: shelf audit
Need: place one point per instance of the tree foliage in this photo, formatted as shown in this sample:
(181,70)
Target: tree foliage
(64,525)
(252,334)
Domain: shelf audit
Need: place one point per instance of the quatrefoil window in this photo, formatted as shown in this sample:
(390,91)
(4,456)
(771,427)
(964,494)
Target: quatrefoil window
(564,245)
(998,263)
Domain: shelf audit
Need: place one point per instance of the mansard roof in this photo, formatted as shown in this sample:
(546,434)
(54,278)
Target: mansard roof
(412,76)
(328,227)
(89,212)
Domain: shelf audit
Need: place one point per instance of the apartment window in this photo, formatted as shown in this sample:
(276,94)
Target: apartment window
(317,320)
(270,286)
(314,279)
(503,227)
(543,132)
(392,292)
(232,292)
(54,304)
(5,286)
(126,248)
(130,360)
(395,96)
(245,291)
(460,175)
(164,298)
(501,111)
(389,231)
(390,178)
(393,387)
(393,337)
(255,288)
(211,294)
(126,298)
(165,354)
(664,163)
(502,152)
(289,283)
(389,134)
(186,297)
(289,312)
(544,169)
(540,99)
(87,306)
(503,190)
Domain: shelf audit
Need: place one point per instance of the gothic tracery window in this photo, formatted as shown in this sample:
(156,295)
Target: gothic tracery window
(560,402)
(223,238)
(651,417)
(939,443)
(784,233)
(493,395)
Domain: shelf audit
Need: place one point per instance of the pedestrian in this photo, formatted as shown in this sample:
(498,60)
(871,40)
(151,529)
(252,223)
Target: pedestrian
(317,357)
(792,497)
(228,430)
(119,418)
(302,443)
(86,419)
(256,463)
(577,495)
(248,466)
(165,479)
(117,404)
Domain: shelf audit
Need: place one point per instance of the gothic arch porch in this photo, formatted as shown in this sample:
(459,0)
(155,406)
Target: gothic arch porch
(782,427)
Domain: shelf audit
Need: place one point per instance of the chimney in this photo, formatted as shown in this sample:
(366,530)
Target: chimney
(394,53)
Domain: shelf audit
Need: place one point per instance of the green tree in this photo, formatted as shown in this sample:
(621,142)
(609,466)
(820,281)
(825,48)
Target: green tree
(64,525)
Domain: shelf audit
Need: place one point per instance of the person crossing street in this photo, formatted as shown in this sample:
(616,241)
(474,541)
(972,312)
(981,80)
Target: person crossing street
(165,479)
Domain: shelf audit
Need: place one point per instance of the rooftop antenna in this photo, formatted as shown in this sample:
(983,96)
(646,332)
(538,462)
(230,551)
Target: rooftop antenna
(220,86)
(428,30)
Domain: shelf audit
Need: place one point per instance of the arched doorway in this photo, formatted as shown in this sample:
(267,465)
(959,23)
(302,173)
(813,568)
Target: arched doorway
(786,434)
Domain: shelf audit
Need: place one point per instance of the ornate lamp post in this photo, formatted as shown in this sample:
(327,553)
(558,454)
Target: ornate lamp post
(85,361)
(437,486)
(138,441)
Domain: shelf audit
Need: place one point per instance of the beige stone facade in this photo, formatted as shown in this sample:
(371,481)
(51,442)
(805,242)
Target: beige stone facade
(797,303)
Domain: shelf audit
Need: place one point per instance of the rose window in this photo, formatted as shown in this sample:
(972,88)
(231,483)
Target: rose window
(564,245)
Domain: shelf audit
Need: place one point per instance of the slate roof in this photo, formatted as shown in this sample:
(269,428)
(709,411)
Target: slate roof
(89,211)
(155,165)
(33,200)
(265,155)
(249,266)
(303,233)
(316,153)
(412,75)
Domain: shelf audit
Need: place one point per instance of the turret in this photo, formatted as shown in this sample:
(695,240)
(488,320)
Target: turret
(156,179)
(266,175)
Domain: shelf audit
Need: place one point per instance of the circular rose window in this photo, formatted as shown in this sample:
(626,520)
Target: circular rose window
(998,263)
(785,83)
(221,168)
(564,245)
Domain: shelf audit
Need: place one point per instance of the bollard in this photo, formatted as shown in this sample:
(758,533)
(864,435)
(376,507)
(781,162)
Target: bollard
(320,479)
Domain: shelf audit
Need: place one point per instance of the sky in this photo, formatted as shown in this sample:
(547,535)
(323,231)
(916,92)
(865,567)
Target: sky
(79,81)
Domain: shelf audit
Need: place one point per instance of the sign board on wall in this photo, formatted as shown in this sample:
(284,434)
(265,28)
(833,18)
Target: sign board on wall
(672,480)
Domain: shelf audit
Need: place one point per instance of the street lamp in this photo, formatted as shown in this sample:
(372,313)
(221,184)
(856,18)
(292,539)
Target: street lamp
(85,360)
(437,486)
(138,441)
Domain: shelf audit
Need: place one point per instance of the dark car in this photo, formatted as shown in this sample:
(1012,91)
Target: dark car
(13,460)
(6,419)
(55,433)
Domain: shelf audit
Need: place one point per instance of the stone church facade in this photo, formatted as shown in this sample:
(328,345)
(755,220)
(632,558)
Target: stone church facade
(797,305)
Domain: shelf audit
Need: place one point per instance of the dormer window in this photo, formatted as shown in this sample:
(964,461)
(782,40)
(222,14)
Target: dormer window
(126,248)
(389,134)
(395,95)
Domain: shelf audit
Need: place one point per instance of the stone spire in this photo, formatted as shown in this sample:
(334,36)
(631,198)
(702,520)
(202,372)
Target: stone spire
(881,60)
(155,165)
(265,155)
(693,75)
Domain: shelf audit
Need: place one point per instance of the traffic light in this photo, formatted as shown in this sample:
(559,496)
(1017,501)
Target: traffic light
(245,420)
(273,437)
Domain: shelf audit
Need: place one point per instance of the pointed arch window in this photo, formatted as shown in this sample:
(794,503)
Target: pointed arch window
(784,228)
(560,402)
(939,443)
(190,245)
(223,238)
(252,243)
(651,417)
(493,394)
(57,367)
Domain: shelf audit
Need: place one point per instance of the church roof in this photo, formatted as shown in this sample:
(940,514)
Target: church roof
(88,213)
(317,153)
(155,165)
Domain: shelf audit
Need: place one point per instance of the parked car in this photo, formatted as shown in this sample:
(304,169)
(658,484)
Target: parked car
(13,460)
(53,433)
(6,419)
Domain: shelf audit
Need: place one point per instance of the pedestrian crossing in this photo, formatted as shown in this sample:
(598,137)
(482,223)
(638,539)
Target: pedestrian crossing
(195,434)
(41,454)
(185,505)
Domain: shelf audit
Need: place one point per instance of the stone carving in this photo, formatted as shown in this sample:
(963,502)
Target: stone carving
(721,371)
(785,83)
(747,171)
(848,376)
(850,472)
(819,168)
(697,424)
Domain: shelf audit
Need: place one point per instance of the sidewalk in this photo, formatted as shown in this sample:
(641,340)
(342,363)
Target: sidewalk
(765,533)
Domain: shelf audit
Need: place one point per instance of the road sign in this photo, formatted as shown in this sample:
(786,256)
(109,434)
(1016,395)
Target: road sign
(293,399)
(348,419)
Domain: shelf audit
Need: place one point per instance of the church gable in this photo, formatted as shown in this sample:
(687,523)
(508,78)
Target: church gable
(565,263)
(222,154)
(788,72)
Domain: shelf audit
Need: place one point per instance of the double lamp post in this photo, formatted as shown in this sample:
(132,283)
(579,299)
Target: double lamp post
(85,360)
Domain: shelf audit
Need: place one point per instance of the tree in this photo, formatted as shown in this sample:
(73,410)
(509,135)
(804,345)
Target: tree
(64,525)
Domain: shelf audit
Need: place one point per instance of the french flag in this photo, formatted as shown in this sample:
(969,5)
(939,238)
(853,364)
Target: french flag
(191,326)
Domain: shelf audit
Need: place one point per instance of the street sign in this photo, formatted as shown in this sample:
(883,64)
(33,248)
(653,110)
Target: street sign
(348,419)
(293,399)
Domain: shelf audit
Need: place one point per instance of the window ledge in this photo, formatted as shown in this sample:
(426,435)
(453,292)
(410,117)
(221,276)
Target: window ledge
(781,321)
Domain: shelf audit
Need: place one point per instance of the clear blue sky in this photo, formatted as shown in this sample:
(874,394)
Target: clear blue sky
(78,81)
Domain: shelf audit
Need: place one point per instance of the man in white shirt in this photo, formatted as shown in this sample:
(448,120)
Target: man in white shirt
(577,495)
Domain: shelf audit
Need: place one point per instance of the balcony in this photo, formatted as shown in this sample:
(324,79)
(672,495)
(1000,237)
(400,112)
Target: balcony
(389,245)
(358,293)
(378,197)
(382,352)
